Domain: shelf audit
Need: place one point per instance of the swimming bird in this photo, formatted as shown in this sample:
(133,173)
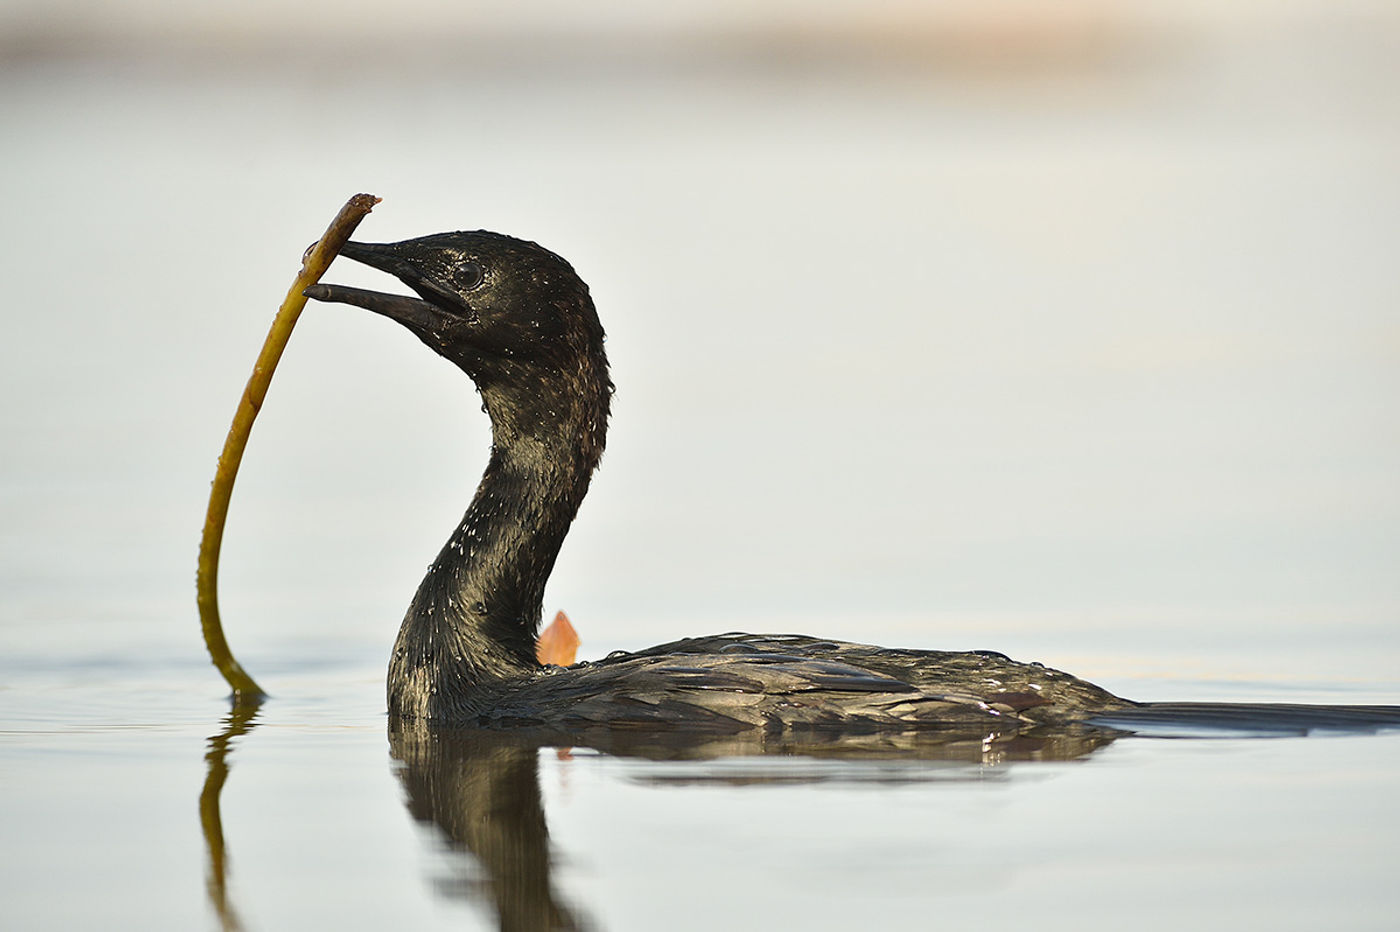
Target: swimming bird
(521,324)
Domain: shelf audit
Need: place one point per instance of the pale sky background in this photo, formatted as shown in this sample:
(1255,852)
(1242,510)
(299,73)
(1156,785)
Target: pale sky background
(1064,329)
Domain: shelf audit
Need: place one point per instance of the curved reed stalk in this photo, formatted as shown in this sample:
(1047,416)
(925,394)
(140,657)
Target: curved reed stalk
(314,264)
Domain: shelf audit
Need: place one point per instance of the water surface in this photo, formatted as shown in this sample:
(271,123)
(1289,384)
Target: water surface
(327,819)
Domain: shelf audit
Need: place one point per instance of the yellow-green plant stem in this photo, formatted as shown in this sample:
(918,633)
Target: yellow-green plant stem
(313,266)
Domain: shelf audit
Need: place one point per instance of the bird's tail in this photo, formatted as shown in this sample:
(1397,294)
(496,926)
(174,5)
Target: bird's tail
(1225,719)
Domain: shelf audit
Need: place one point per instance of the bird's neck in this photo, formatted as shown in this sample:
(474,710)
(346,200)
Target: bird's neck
(475,616)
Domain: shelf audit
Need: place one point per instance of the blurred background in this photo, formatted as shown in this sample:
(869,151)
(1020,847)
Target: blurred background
(1066,329)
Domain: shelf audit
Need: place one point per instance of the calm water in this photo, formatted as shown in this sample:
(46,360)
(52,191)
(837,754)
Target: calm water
(113,807)
(1095,366)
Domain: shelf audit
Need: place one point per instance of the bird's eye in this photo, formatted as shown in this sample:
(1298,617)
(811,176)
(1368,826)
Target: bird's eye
(469,275)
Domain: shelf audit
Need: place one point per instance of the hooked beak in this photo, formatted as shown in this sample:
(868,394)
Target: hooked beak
(422,315)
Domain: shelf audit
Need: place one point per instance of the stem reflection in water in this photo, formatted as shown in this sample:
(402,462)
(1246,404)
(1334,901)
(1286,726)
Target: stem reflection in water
(238,723)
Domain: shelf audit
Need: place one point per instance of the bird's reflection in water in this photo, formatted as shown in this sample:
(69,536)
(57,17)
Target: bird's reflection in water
(238,723)
(481,788)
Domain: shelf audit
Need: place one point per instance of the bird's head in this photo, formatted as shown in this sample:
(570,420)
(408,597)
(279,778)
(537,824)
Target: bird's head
(503,309)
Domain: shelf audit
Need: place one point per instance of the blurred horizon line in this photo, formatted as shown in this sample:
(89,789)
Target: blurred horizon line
(1004,38)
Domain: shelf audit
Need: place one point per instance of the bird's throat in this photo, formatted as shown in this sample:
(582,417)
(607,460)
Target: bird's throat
(474,619)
